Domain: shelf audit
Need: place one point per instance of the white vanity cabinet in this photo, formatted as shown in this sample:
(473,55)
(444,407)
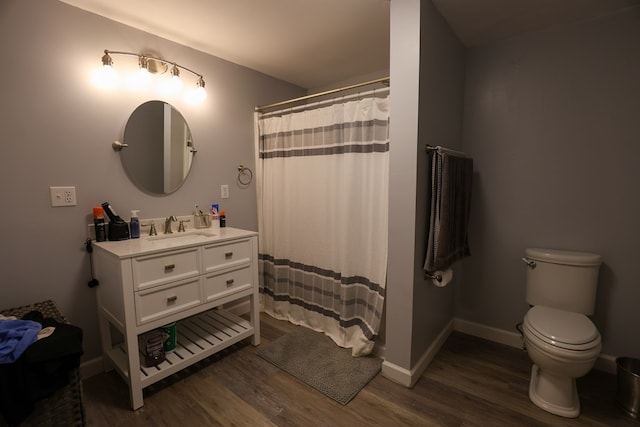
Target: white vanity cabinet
(147,283)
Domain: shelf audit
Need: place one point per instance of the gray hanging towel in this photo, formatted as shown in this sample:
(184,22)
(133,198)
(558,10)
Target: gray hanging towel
(451,177)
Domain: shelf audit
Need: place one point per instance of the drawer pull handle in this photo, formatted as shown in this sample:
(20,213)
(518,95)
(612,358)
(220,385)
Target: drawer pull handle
(169,267)
(228,254)
(172,299)
(229,282)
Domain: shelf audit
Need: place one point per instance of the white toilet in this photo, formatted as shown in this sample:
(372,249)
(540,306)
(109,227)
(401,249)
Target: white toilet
(560,339)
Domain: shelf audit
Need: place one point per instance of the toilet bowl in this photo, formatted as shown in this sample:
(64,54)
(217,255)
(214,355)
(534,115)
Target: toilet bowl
(563,346)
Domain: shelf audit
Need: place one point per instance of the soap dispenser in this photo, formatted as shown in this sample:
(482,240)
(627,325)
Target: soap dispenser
(134,224)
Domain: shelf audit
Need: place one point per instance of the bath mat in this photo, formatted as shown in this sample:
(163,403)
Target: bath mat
(316,360)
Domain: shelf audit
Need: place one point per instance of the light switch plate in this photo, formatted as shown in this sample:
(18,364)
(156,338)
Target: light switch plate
(224,191)
(63,196)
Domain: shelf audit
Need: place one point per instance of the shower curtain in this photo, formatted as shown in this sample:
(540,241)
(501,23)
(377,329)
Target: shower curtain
(322,184)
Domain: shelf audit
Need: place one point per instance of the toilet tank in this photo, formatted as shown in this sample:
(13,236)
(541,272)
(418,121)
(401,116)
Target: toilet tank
(566,280)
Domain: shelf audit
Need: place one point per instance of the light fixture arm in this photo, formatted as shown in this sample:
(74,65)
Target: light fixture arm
(145,58)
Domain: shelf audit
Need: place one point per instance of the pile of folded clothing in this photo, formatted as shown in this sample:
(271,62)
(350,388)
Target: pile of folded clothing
(37,357)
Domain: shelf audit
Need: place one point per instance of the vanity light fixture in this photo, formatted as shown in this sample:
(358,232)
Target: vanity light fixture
(151,63)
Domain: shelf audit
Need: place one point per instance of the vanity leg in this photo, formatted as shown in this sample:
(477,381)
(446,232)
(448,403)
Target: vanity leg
(135,380)
(254,308)
(254,302)
(136,398)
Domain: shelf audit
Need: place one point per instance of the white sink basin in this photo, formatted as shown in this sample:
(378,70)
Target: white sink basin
(185,235)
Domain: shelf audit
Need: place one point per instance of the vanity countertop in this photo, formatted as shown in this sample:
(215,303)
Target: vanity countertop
(163,242)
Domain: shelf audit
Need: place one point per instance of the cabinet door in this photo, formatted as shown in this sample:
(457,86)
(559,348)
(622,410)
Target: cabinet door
(158,269)
(225,255)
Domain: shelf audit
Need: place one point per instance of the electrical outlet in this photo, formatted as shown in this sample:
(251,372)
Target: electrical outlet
(224,191)
(63,196)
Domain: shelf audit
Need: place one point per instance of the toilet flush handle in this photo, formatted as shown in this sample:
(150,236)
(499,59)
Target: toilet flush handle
(530,263)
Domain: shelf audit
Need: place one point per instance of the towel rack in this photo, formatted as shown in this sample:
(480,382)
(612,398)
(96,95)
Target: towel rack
(440,149)
(437,277)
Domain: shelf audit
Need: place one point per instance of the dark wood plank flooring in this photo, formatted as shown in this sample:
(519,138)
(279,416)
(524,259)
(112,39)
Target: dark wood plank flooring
(471,382)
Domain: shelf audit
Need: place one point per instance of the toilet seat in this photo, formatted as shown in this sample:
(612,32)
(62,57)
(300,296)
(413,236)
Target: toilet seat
(563,329)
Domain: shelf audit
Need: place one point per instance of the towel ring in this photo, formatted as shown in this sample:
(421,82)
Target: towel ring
(245,175)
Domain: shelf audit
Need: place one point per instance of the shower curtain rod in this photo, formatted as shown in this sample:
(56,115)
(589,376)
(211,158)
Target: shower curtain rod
(328,92)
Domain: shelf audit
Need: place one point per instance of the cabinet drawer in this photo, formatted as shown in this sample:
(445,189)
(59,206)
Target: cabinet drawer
(227,255)
(229,282)
(162,301)
(153,270)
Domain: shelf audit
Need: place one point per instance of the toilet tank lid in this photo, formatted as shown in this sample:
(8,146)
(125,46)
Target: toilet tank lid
(563,257)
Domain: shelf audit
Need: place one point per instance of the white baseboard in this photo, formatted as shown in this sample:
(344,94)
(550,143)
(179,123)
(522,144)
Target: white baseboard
(604,363)
(91,368)
(238,308)
(512,339)
(408,378)
(396,373)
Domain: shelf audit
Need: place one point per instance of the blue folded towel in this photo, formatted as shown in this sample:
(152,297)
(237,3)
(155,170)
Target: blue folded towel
(15,337)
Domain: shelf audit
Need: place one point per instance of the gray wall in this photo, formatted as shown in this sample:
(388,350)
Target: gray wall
(405,77)
(442,60)
(57,130)
(427,69)
(552,120)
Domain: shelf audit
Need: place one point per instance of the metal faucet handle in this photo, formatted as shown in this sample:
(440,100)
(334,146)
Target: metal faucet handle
(181,225)
(152,230)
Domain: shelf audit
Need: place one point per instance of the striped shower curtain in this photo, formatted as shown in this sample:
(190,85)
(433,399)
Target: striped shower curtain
(322,183)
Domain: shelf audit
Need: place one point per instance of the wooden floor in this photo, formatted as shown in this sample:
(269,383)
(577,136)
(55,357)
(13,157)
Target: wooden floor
(471,382)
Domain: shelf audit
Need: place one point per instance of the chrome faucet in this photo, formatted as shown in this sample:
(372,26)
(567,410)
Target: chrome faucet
(167,224)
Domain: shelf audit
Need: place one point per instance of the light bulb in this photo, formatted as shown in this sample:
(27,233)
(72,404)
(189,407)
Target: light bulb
(140,80)
(175,84)
(200,93)
(105,77)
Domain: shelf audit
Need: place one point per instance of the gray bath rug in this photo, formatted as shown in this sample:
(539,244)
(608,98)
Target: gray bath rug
(316,360)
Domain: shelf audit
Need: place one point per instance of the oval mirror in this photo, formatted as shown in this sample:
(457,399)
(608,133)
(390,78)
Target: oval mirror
(159,149)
